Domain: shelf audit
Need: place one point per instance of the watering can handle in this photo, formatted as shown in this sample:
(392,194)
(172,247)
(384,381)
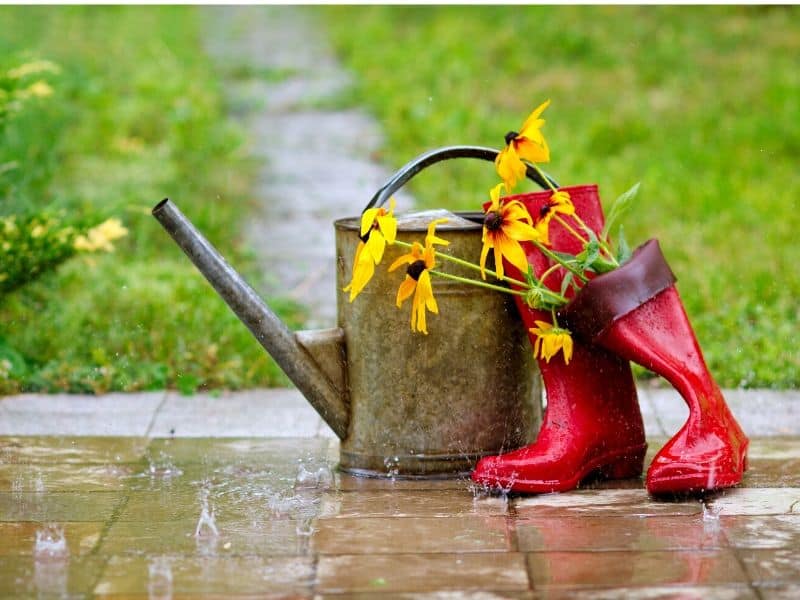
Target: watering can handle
(411,168)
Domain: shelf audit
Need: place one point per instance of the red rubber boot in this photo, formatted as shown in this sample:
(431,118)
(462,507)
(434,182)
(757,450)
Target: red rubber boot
(636,312)
(592,423)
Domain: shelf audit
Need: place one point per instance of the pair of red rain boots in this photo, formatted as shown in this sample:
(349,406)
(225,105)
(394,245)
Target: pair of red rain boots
(592,423)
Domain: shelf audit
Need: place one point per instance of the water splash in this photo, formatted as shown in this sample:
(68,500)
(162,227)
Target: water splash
(159,581)
(50,543)
(51,562)
(206,524)
(305,527)
(313,479)
(711,521)
(711,513)
(162,467)
(392,465)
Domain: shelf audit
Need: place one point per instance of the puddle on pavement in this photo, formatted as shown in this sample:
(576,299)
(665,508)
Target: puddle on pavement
(185,516)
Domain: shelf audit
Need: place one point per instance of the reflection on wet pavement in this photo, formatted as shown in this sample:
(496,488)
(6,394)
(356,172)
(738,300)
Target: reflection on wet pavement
(170,518)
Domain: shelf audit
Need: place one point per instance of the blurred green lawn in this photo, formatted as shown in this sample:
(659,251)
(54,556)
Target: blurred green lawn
(700,104)
(137,114)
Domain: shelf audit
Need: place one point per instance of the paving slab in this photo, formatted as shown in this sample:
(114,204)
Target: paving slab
(76,414)
(252,413)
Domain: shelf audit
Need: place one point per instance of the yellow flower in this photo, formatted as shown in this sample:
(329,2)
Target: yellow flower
(378,228)
(559,202)
(527,144)
(40,89)
(418,278)
(504,227)
(101,236)
(549,340)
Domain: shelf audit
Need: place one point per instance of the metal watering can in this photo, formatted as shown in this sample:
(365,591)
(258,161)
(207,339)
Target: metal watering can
(403,404)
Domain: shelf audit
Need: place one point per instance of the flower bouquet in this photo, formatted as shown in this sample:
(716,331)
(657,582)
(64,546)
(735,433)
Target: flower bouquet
(590,305)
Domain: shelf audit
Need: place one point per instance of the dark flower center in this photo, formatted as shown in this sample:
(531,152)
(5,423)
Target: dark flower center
(415,269)
(511,136)
(492,221)
(545,210)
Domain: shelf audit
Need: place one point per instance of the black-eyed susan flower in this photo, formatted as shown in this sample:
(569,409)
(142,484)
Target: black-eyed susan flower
(550,339)
(378,228)
(526,145)
(505,225)
(559,202)
(420,260)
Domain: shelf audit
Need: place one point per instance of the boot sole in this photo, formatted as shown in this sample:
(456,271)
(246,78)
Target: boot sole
(621,464)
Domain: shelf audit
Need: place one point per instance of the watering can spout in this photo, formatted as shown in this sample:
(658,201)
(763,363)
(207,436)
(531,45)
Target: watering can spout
(313,360)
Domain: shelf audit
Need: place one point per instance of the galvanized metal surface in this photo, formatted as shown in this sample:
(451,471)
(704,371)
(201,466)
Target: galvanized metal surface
(432,405)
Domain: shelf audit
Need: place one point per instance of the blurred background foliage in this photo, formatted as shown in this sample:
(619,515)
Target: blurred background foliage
(700,104)
(136,112)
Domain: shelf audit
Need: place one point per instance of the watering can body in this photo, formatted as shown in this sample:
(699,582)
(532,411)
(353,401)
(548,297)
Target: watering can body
(429,405)
(403,404)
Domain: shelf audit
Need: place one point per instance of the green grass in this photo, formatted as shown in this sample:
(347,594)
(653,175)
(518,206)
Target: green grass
(700,104)
(137,114)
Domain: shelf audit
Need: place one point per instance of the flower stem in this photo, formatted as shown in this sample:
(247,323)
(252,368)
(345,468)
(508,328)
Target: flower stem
(544,177)
(547,252)
(552,269)
(482,284)
(569,228)
(470,265)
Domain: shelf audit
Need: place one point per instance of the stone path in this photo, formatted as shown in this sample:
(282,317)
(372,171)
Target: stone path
(317,162)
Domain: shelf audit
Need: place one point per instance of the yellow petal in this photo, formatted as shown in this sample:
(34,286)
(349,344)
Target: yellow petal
(509,167)
(536,152)
(405,290)
(494,194)
(376,244)
(512,252)
(405,259)
(418,321)
(425,288)
(530,128)
(431,238)
(521,232)
(543,228)
(487,244)
(367,219)
(388,227)
(363,270)
(516,211)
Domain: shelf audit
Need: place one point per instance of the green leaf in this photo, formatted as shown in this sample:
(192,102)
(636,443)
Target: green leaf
(566,282)
(589,255)
(621,206)
(601,265)
(623,250)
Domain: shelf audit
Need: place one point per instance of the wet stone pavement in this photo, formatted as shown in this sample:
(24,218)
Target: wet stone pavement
(128,517)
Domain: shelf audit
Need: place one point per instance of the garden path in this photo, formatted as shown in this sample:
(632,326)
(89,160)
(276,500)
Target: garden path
(317,160)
